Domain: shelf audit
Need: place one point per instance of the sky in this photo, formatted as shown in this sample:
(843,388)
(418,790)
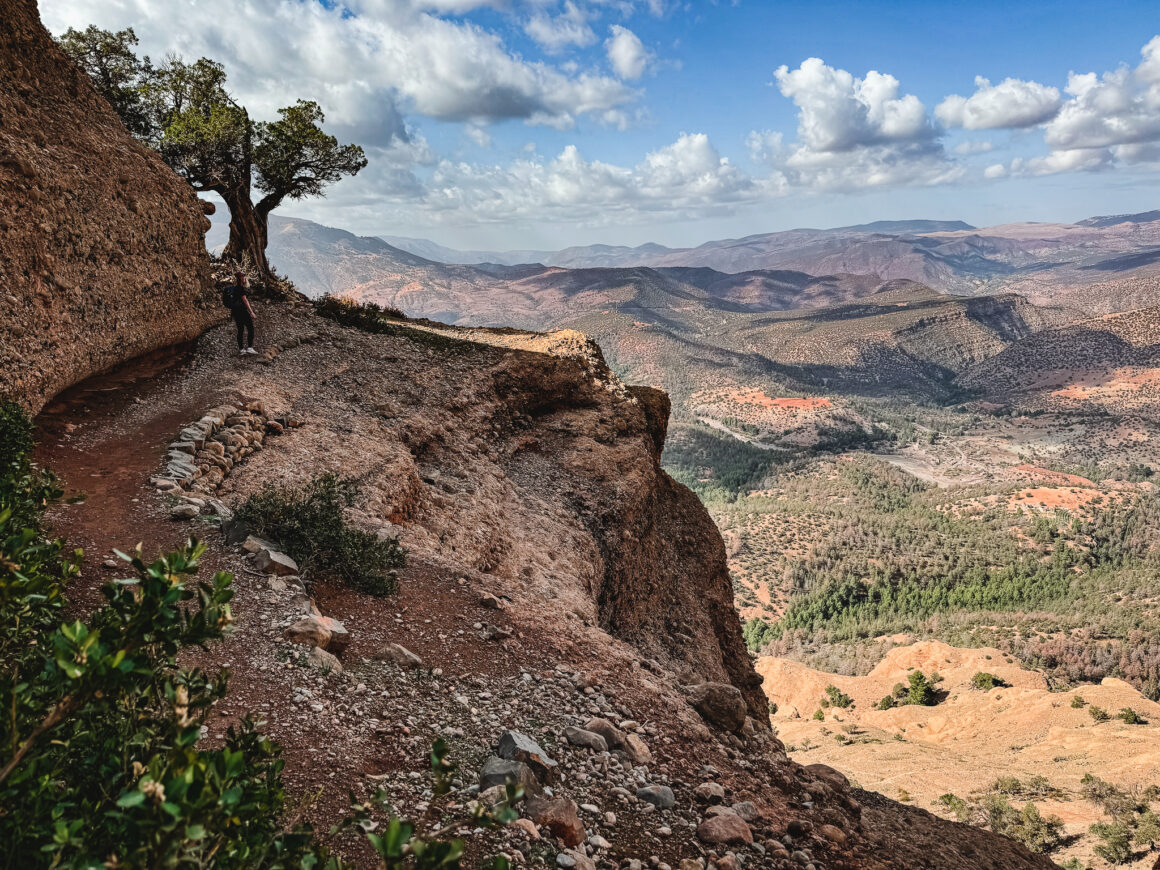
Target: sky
(540,124)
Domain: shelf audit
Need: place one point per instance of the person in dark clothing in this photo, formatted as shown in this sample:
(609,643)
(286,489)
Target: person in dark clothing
(238,303)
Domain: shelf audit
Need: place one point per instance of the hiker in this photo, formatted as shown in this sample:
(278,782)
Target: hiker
(235,299)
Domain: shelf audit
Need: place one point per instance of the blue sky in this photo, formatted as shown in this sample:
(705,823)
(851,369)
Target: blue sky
(545,123)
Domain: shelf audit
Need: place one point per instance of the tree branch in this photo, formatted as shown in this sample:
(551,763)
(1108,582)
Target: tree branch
(62,709)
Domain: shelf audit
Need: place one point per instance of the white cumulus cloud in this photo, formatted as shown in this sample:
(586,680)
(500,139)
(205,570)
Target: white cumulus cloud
(854,132)
(1012,103)
(626,53)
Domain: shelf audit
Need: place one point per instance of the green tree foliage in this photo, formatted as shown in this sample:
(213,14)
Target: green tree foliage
(836,698)
(984,681)
(185,111)
(110,60)
(1131,717)
(100,764)
(1116,842)
(921,691)
(1098,714)
(98,755)
(308,522)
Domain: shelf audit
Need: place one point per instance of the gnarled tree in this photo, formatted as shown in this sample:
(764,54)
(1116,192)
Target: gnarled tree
(185,111)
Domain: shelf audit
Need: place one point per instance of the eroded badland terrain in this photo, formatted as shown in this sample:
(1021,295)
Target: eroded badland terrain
(863,575)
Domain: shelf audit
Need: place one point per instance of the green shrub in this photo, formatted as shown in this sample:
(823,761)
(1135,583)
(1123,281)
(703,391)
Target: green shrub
(308,522)
(1098,714)
(921,690)
(1077,702)
(985,681)
(1131,717)
(819,715)
(836,698)
(886,703)
(99,758)
(1116,847)
(899,691)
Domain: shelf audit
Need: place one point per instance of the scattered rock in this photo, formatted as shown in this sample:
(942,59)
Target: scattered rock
(833,833)
(636,751)
(590,739)
(660,796)
(725,829)
(570,859)
(400,655)
(324,661)
(560,816)
(514,746)
(185,512)
(528,827)
(499,771)
(489,601)
(612,735)
(274,562)
(254,544)
(827,774)
(720,704)
(710,793)
(309,630)
(746,810)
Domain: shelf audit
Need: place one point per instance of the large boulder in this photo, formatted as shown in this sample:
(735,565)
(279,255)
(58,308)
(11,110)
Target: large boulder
(102,246)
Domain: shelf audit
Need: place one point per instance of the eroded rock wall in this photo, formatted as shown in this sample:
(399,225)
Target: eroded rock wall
(102,254)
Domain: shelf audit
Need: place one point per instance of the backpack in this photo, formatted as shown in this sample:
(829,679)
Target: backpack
(230,297)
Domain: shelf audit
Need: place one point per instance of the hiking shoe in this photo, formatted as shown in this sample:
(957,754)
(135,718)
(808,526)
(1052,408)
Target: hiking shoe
(242,352)
(251,350)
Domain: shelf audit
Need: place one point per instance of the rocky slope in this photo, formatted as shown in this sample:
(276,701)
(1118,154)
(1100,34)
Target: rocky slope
(101,245)
(556,577)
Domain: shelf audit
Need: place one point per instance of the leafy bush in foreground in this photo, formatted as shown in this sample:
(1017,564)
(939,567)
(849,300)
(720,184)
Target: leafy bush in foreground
(308,522)
(99,759)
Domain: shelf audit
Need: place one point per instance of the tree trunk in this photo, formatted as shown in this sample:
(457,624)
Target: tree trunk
(247,234)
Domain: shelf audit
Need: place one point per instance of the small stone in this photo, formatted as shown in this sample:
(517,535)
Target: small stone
(581,737)
(746,809)
(253,544)
(528,827)
(324,661)
(799,828)
(572,860)
(636,751)
(598,842)
(400,655)
(515,746)
(725,829)
(833,833)
(612,735)
(499,771)
(309,630)
(489,601)
(710,793)
(185,512)
(691,864)
(660,796)
(560,816)
(110,563)
(274,562)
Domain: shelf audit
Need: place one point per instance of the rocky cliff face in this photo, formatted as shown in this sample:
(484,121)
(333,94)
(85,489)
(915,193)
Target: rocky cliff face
(101,245)
(521,461)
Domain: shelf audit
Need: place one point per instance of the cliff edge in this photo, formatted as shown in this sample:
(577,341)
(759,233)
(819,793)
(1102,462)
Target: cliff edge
(102,253)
